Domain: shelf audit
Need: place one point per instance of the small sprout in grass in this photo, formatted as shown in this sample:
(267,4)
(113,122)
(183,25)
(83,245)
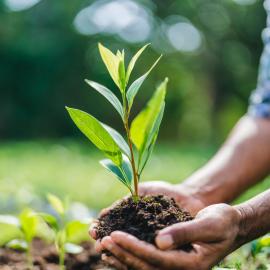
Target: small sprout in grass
(19,232)
(126,158)
(68,234)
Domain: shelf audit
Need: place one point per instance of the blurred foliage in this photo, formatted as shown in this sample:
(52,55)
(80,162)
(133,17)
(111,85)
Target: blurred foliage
(44,60)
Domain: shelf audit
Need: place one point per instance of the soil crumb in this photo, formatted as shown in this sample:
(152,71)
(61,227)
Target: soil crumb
(142,219)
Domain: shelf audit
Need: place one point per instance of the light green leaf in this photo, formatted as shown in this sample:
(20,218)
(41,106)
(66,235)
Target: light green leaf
(111,61)
(123,172)
(150,141)
(9,230)
(118,139)
(29,222)
(56,204)
(17,244)
(97,134)
(77,231)
(133,61)
(135,86)
(50,220)
(73,249)
(142,126)
(109,95)
(265,241)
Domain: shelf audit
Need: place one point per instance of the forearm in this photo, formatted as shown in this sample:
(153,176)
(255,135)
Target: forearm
(242,161)
(255,221)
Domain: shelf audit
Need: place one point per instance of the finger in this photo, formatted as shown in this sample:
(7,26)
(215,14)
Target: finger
(98,246)
(153,256)
(92,230)
(112,261)
(124,256)
(197,230)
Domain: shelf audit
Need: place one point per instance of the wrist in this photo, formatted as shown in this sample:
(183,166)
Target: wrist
(246,218)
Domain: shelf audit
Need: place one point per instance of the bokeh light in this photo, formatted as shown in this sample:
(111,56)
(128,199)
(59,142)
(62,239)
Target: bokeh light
(18,5)
(129,20)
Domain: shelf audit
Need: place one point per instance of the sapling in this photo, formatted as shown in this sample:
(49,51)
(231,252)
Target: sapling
(20,232)
(126,159)
(68,234)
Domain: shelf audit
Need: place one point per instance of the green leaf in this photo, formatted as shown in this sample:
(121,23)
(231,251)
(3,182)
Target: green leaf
(111,61)
(265,241)
(135,86)
(109,95)
(118,139)
(122,71)
(17,244)
(150,141)
(73,249)
(50,220)
(123,172)
(56,204)
(97,134)
(143,125)
(29,222)
(77,231)
(133,61)
(60,239)
(9,228)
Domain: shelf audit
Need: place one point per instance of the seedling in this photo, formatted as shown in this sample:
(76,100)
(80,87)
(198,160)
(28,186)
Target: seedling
(19,232)
(68,234)
(126,158)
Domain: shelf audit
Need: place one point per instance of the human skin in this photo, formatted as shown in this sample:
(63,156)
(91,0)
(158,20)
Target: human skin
(217,230)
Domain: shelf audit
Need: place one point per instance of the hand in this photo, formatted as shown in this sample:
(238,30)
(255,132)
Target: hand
(183,195)
(213,235)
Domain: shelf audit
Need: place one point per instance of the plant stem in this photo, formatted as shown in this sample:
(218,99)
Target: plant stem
(29,257)
(133,164)
(62,258)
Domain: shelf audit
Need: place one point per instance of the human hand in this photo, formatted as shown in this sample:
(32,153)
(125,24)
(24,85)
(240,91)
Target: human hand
(183,195)
(213,235)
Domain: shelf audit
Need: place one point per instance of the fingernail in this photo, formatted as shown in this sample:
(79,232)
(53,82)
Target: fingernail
(164,241)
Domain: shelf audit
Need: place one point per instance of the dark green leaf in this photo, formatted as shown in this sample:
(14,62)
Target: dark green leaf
(109,95)
(50,220)
(123,172)
(135,86)
(97,134)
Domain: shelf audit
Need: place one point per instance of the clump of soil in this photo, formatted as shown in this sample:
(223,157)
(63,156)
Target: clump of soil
(46,258)
(142,219)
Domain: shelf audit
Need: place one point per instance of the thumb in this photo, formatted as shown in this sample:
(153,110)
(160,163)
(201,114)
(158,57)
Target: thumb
(197,230)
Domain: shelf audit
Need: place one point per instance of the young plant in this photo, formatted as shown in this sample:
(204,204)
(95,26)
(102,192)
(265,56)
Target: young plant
(18,233)
(126,158)
(68,234)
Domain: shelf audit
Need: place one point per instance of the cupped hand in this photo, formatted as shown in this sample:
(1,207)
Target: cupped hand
(183,195)
(213,234)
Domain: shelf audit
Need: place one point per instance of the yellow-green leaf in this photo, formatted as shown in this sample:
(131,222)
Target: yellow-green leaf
(97,134)
(133,61)
(56,204)
(135,86)
(111,61)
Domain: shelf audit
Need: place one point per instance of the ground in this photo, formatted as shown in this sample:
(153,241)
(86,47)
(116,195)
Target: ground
(29,170)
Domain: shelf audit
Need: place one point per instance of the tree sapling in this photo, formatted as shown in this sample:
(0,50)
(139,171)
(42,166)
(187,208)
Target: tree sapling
(126,158)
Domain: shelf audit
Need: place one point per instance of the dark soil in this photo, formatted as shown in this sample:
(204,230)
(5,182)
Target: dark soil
(46,258)
(142,219)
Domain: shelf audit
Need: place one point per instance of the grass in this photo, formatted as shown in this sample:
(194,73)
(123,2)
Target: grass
(29,170)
